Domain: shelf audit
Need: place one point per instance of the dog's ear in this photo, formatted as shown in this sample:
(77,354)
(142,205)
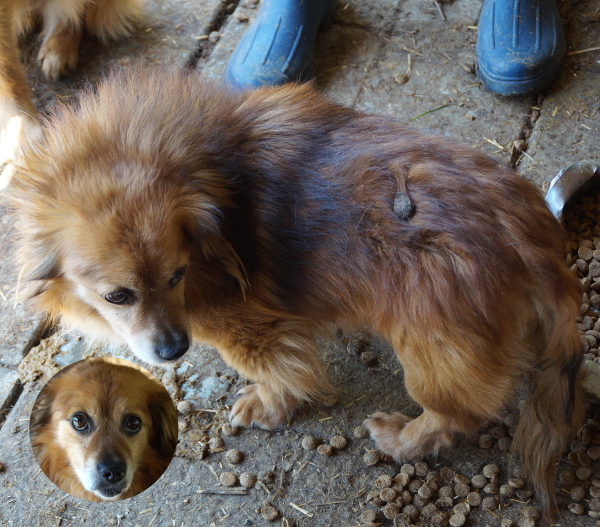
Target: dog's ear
(42,410)
(164,423)
(39,266)
(201,221)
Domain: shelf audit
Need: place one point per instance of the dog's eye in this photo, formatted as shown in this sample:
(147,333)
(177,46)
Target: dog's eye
(133,424)
(177,276)
(80,422)
(120,296)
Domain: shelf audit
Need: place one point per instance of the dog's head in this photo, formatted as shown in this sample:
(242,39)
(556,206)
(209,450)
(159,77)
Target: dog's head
(109,421)
(112,207)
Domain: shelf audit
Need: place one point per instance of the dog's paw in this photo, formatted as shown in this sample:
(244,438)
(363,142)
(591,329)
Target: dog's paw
(407,439)
(385,430)
(55,63)
(250,410)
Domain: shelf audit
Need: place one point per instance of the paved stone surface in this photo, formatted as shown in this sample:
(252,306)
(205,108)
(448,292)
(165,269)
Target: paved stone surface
(361,61)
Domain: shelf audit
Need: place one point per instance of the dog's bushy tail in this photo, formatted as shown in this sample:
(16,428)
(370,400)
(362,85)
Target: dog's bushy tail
(555,405)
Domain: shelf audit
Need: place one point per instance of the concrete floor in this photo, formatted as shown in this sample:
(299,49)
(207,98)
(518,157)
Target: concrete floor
(360,61)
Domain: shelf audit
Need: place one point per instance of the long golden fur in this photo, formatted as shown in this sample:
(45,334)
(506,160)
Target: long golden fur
(63,23)
(102,430)
(280,205)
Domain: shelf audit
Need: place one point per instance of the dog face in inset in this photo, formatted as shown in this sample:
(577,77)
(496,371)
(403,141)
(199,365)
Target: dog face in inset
(103,431)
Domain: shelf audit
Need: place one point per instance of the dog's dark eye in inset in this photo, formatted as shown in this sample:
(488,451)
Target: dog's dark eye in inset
(80,422)
(177,276)
(132,424)
(120,296)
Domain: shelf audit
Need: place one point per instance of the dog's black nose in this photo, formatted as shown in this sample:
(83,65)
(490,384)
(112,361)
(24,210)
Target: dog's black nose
(171,345)
(112,471)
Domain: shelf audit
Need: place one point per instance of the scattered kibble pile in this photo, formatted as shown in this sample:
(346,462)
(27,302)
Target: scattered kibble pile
(582,221)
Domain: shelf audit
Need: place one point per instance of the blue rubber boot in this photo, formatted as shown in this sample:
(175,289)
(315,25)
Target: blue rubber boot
(279,46)
(520,45)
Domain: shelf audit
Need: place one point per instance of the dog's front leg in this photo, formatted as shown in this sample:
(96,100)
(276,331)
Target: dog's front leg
(288,372)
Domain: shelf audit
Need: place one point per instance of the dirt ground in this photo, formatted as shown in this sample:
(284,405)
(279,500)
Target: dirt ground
(362,61)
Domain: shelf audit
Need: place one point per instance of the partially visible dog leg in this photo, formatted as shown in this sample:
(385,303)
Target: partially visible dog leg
(289,372)
(456,386)
(59,51)
(110,19)
(17,113)
(61,34)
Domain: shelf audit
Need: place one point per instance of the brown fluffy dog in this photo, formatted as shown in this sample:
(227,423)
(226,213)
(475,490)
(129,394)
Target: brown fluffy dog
(102,430)
(162,209)
(63,22)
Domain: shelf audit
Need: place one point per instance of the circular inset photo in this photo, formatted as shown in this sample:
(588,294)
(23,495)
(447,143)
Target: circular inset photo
(103,429)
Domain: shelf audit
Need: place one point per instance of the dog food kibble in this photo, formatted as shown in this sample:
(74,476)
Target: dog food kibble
(269,513)
(462,508)
(234,456)
(490,471)
(504,444)
(247,480)
(228,479)
(458,520)
(368,516)
(428,510)
(384,481)
(566,477)
(370,458)
(402,478)
(325,450)
(576,508)
(361,432)
(426,492)
(485,441)
(338,442)
(594,505)
(391,510)
(229,430)
(309,442)
(517,483)
(388,495)
(185,407)
(507,490)
(415,485)
(421,468)
(594,452)
(461,490)
(479,481)
(408,469)
(474,499)
(583,473)
(412,512)
(446,492)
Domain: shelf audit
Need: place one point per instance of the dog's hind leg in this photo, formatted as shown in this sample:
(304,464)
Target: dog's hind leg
(456,387)
(288,372)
